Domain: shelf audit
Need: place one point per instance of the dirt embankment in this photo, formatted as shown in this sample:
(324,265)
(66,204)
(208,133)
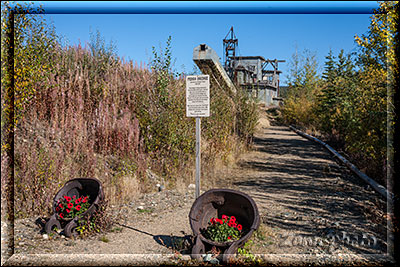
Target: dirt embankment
(309,205)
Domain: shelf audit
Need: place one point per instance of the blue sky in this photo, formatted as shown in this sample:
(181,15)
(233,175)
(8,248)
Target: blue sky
(274,35)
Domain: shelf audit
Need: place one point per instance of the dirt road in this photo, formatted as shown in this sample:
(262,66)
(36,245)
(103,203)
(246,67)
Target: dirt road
(309,204)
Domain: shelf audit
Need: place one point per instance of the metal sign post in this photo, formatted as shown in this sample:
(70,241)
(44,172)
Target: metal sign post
(198,155)
(198,105)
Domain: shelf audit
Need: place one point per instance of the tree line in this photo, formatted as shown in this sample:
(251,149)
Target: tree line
(351,104)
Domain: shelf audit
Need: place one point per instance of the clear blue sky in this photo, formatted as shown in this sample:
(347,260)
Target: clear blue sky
(268,35)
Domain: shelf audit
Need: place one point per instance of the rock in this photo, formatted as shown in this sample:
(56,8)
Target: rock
(140,208)
(45,236)
(192,186)
(160,187)
(214,261)
(207,257)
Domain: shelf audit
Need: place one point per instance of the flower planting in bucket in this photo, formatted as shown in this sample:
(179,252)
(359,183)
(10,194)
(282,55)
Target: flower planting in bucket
(223,219)
(78,198)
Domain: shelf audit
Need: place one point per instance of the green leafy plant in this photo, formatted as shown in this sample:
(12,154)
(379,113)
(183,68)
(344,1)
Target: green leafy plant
(116,229)
(222,230)
(247,256)
(99,221)
(104,239)
(146,211)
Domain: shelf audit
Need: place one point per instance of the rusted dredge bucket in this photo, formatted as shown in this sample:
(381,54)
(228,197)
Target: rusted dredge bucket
(76,187)
(215,203)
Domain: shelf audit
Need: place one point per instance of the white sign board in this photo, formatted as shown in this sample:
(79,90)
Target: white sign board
(198,96)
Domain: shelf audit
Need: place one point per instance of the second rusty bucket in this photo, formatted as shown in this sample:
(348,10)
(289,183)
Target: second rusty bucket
(215,203)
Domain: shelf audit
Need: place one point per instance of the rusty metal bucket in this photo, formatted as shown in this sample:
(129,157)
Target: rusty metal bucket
(76,187)
(215,203)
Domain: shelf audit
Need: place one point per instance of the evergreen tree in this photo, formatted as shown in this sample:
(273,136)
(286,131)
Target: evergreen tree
(329,74)
(327,99)
(335,103)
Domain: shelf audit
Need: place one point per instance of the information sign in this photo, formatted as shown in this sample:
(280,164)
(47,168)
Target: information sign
(198,96)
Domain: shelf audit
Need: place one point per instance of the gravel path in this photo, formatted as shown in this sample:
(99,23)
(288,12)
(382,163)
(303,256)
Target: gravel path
(304,196)
(310,205)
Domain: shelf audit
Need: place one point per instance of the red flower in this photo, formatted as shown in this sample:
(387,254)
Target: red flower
(61,215)
(239,227)
(233,219)
(84,199)
(231,224)
(68,210)
(219,221)
(70,205)
(67,198)
(74,197)
(77,201)
(78,207)
(212,221)
(224,217)
(229,237)
(57,209)
(61,206)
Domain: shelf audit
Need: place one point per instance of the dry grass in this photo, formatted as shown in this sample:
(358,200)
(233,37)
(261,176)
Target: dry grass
(106,118)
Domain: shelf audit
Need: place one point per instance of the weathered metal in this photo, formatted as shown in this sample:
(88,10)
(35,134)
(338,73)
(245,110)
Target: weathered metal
(208,62)
(230,46)
(249,73)
(76,187)
(218,202)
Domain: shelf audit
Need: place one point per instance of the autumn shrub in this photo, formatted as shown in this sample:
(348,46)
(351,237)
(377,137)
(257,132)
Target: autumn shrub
(67,131)
(366,135)
(298,112)
(246,116)
(98,222)
(304,86)
(169,136)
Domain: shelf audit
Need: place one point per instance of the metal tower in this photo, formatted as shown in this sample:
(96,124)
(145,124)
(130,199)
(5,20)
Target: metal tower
(229,50)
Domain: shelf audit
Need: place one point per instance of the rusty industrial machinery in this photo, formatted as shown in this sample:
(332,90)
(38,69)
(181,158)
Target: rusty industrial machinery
(76,187)
(258,76)
(215,203)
